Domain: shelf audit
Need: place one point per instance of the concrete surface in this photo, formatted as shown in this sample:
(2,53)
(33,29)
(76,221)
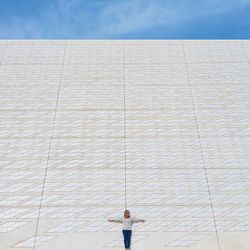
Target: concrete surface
(86,126)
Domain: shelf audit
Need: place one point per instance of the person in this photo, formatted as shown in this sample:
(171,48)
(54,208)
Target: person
(127,221)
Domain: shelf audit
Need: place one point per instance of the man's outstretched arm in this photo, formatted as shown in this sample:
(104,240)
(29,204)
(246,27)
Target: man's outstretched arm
(138,220)
(115,221)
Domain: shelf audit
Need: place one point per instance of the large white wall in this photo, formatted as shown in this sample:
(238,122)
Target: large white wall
(88,125)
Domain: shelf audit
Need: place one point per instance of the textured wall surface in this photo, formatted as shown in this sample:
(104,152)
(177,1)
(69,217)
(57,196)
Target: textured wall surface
(89,126)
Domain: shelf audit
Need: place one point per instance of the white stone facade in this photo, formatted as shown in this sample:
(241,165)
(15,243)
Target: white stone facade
(88,125)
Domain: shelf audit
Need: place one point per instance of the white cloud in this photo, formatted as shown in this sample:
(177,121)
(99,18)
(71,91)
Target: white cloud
(96,18)
(134,15)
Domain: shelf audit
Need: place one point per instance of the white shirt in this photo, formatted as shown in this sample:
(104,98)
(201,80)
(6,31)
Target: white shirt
(128,222)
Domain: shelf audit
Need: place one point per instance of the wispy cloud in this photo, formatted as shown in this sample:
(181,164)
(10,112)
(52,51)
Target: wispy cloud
(137,15)
(110,18)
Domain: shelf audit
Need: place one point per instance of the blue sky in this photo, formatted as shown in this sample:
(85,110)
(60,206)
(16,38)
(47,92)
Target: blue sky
(124,19)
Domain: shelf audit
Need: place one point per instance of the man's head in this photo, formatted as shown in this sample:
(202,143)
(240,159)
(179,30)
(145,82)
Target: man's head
(127,213)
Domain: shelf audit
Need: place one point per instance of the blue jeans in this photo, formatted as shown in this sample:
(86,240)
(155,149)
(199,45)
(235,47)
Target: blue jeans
(127,238)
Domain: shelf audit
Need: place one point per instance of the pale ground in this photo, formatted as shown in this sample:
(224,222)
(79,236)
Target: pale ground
(77,117)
